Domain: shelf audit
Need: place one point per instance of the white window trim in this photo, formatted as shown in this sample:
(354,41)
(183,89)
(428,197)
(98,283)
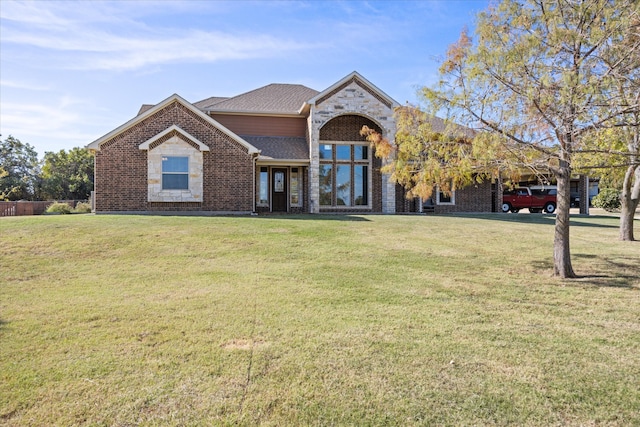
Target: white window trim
(259,188)
(453,198)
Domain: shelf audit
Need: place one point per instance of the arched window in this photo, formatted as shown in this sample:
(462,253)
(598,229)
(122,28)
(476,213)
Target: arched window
(345,163)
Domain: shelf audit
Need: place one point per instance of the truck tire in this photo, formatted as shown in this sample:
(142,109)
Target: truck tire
(550,208)
(506,207)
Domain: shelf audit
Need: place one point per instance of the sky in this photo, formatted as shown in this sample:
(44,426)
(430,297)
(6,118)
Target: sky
(71,72)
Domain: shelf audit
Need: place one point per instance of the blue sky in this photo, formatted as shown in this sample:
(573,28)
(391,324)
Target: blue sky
(72,71)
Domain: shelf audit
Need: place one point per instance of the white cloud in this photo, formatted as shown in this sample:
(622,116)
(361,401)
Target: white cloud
(86,39)
(58,122)
(23,85)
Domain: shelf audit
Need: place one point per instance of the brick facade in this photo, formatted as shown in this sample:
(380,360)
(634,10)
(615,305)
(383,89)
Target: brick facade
(474,198)
(121,167)
(226,167)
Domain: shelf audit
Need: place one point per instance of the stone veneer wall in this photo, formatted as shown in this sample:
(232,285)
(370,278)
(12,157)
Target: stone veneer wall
(121,167)
(352,99)
(174,146)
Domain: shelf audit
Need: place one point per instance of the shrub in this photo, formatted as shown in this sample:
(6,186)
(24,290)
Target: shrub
(83,207)
(58,208)
(608,199)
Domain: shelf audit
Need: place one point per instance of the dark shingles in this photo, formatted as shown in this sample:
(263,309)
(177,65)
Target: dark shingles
(274,98)
(145,107)
(209,102)
(280,147)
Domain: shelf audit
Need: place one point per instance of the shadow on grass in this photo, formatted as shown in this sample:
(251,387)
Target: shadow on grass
(622,272)
(617,273)
(606,281)
(315,217)
(524,218)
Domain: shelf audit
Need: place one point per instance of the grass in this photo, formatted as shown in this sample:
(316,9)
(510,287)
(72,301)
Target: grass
(363,320)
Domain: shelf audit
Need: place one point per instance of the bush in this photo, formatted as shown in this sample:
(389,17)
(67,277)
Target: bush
(58,208)
(608,199)
(83,207)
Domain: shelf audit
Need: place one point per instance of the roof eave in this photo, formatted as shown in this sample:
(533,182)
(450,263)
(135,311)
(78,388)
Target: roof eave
(254,113)
(95,145)
(266,160)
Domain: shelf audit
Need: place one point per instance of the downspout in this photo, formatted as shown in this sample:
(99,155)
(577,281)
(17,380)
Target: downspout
(255,165)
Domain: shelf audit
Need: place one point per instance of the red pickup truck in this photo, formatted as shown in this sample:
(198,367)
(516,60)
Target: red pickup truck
(535,200)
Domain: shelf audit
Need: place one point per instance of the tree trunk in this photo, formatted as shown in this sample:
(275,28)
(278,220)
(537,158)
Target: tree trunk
(629,202)
(561,250)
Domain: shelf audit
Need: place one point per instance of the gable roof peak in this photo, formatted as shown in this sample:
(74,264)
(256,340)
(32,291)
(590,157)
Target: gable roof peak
(354,76)
(95,145)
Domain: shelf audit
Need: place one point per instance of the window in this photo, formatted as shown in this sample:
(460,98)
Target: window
(326,151)
(295,187)
(360,185)
(344,175)
(263,185)
(360,152)
(326,185)
(174,169)
(175,173)
(278,182)
(446,197)
(343,152)
(343,185)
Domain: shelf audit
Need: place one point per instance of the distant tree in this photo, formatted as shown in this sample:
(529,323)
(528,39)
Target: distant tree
(20,169)
(614,150)
(607,199)
(615,158)
(625,64)
(68,175)
(539,78)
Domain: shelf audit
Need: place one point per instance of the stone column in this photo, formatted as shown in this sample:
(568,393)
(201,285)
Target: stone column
(314,165)
(388,194)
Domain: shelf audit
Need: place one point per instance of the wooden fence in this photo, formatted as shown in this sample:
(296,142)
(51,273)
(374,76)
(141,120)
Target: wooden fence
(29,208)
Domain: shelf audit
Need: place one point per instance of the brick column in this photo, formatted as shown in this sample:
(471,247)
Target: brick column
(583,191)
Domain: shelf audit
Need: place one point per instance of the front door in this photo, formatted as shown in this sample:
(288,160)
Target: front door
(279,190)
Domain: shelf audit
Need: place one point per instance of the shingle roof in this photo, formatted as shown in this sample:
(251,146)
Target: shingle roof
(275,98)
(280,147)
(439,125)
(144,108)
(212,100)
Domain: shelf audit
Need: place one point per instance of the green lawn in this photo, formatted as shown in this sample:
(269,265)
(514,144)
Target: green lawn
(316,320)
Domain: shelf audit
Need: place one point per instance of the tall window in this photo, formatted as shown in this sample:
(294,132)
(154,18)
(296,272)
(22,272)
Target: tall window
(175,173)
(295,187)
(344,175)
(326,184)
(264,186)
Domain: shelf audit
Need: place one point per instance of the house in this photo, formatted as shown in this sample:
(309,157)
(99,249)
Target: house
(278,148)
